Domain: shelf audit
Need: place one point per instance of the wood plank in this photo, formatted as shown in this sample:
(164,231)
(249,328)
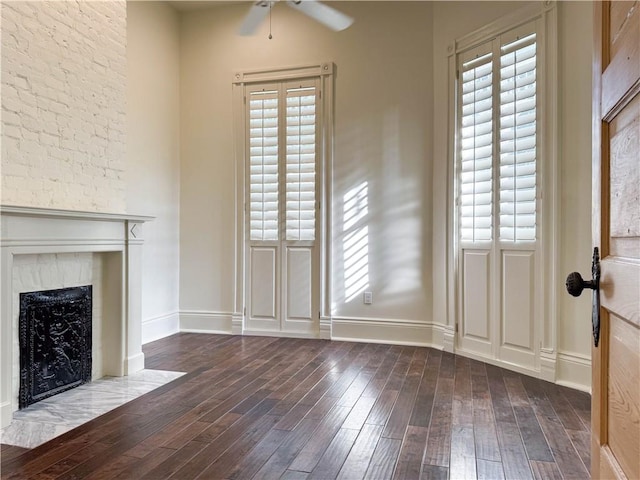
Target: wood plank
(8,452)
(409,463)
(173,463)
(311,453)
(286,453)
(357,462)
(384,458)
(462,463)
(514,457)
(545,471)
(488,470)
(439,439)
(433,472)
(334,456)
(534,440)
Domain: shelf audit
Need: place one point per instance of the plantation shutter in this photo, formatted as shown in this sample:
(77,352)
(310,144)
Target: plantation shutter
(301,163)
(476,137)
(497,101)
(518,140)
(263,164)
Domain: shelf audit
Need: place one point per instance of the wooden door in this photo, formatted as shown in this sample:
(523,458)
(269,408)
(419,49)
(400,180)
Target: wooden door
(616,231)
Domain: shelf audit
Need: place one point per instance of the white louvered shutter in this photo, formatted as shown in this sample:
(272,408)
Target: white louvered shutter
(476,140)
(301,163)
(263,164)
(518,140)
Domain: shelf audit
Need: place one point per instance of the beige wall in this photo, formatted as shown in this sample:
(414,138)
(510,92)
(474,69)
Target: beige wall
(153,157)
(383,136)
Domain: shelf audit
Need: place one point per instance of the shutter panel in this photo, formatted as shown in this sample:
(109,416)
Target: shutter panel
(476,144)
(301,164)
(518,138)
(263,165)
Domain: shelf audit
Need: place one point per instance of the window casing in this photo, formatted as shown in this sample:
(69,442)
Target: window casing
(498,139)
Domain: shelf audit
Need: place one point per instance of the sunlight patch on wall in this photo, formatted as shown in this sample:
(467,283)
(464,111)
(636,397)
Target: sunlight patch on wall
(356,241)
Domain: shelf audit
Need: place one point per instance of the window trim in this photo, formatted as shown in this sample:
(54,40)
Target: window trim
(325,73)
(545,13)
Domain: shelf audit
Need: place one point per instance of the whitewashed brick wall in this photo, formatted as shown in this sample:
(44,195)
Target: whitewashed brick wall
(64,104)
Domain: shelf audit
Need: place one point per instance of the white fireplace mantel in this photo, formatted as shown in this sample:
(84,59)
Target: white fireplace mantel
(29,231)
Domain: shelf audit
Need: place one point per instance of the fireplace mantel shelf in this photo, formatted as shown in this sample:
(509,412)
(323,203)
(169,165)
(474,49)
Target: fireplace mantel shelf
(58,213)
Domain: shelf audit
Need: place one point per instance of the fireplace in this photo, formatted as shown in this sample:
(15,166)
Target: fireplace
(49,249)
(54,342)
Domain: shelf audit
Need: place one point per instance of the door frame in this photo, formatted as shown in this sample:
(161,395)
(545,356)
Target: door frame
(547,265)
(325,73)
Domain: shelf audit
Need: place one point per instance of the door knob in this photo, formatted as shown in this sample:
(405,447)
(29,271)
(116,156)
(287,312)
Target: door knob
(576,284)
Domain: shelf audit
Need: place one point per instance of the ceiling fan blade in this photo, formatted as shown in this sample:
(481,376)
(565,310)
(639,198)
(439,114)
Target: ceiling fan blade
(254,18)
(324,14)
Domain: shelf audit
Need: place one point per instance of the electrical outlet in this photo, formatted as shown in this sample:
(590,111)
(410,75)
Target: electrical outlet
(368,298)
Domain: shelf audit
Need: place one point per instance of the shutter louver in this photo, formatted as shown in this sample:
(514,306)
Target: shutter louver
(476,132)
(301,164)
(518,138)
(263,165)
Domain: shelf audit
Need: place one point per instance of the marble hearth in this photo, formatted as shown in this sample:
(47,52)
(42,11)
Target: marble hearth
(47,248)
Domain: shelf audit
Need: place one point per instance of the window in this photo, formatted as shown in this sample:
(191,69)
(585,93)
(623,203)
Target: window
(498,139)
(282,161)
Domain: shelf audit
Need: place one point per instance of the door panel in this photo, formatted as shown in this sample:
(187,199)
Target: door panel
(517,300)
(624,221)
(623,408)
(299,284)
(476,328)
(616,218)
(263,274)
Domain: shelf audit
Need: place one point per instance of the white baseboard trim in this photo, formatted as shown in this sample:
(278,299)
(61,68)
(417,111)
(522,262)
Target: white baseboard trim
(155,328)
(198,321)
(395,332)
(237,320)
(573,370)
(279,334)
(325,328)
(448,338)
(548,365)
(6,414)
(134,364)
(499,363)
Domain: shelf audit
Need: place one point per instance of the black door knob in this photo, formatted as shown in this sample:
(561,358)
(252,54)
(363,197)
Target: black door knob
(575,284)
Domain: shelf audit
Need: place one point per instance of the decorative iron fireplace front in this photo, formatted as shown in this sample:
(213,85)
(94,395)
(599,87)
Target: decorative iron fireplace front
(55,342)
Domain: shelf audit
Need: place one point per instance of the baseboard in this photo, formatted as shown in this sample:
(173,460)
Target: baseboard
(198,321)
(325,328)
(237,320)
(134,364)
(159,327)
(396,332)
(279,334)
(6,414)
(573,370)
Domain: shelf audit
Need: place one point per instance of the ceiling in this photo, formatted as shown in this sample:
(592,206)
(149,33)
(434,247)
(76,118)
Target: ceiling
(191,5)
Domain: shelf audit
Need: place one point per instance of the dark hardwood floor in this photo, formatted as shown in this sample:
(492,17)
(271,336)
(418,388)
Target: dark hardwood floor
(267,408)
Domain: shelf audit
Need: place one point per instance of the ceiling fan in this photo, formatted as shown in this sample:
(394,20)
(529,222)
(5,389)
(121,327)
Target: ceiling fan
(328,16)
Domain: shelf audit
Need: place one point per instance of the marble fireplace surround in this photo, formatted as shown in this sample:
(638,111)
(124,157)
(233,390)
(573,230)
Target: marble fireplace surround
(117,238)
